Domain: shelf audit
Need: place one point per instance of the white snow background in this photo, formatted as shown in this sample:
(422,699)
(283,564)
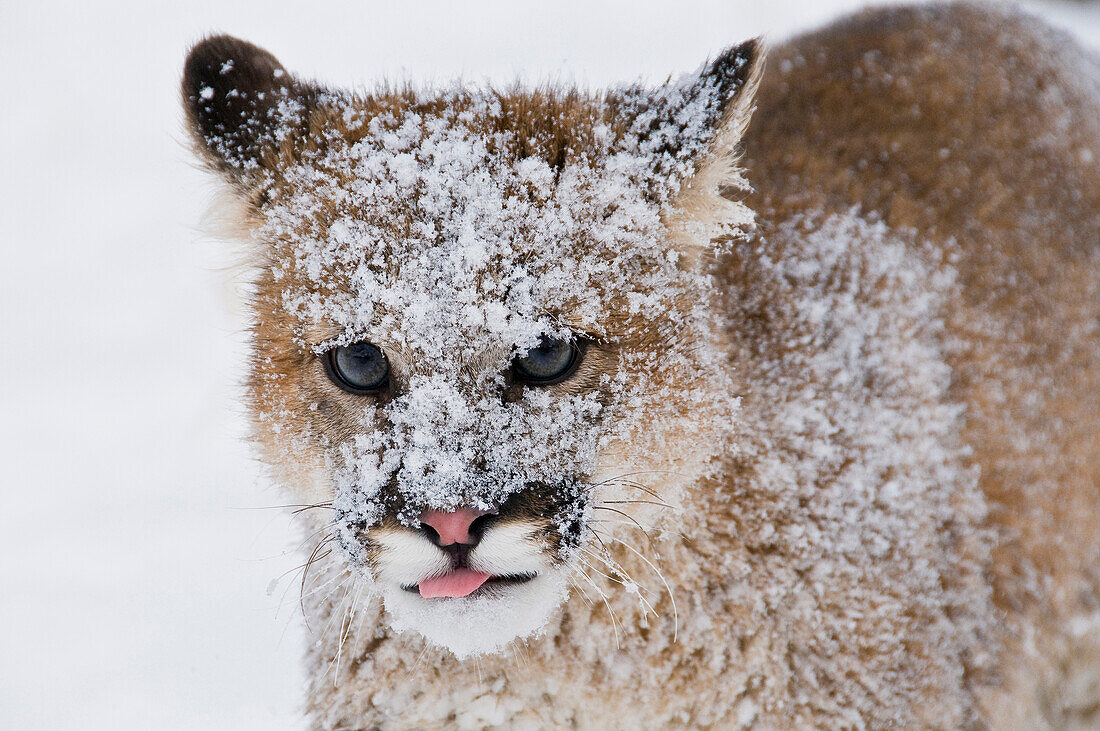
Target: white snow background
(136,540)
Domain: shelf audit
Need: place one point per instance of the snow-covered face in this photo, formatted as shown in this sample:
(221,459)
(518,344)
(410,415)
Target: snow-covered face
(475,327)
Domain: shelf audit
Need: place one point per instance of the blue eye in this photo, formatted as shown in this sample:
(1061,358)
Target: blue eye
(359,368)
(551,361)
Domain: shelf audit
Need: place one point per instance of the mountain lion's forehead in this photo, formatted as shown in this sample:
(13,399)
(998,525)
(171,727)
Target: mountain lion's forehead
(422,222)
(556,125)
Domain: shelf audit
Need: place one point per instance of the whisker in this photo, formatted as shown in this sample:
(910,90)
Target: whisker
(303,567)
(315,506)
(416,665)
(607,553)
(625,515)
(620,482)
(283,575)
(607,576)
(306,540)
(362,619)
(606,603)
(522,654)
(647,502)
(628,581)
(584,594)
(337,608)
(333,582)
(299,507)
(632,474)
(649,538)
(661,576)
(345,631)
(305,572)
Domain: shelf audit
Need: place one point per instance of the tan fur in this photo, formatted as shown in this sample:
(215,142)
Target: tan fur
(992,143)
(962,140)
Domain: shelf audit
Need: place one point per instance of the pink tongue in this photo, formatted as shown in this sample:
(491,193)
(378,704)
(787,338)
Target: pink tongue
(460,582)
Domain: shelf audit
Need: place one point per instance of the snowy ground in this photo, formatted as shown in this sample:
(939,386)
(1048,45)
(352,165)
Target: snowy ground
(135,548)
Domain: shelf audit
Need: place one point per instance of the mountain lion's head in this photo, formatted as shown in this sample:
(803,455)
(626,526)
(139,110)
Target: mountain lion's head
(482,334)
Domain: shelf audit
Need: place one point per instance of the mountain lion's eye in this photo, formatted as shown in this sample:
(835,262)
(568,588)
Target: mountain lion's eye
(360,368)
(551,361)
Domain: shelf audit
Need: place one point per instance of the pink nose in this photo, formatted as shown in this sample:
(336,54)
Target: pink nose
(452,527)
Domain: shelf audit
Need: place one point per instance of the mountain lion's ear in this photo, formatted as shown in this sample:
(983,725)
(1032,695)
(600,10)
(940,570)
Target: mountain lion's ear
(727,89)
(704,113)
(241,106)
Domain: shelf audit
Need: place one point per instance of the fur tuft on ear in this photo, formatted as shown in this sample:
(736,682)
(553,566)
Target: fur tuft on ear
(241,104)
(701,176)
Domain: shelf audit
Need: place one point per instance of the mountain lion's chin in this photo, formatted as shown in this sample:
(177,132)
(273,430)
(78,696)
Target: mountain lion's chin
(484,622)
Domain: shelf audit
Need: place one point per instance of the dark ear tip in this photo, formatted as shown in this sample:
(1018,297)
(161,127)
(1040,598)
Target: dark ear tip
(222,62)
(734,65)
(232,92)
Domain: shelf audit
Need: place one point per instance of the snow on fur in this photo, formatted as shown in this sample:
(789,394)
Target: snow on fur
(814,550)
(454,228)
(446,245)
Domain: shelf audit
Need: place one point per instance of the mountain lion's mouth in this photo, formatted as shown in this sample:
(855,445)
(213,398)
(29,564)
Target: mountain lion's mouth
(463,582)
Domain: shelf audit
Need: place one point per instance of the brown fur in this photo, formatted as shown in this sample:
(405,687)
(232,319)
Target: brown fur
(981,130)
(974,138)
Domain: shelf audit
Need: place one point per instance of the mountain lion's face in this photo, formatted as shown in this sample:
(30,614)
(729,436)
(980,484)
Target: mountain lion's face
(479,335)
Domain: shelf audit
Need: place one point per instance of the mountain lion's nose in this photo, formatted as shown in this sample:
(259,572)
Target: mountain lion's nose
(452,527)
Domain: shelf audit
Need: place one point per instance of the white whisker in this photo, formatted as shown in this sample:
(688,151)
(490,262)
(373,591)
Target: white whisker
(627,581)
(661,576)
(614,619)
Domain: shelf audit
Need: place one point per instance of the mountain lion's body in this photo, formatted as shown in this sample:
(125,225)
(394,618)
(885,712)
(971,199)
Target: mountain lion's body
(896,523)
